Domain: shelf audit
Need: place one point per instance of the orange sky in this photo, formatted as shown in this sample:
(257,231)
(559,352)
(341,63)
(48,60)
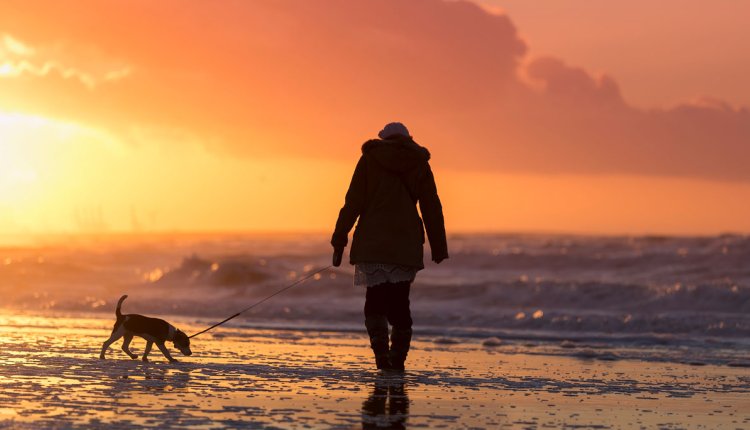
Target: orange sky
(660,52)
(153,116)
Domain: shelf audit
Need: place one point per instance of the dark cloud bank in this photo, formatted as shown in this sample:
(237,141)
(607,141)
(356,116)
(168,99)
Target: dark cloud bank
(319,77)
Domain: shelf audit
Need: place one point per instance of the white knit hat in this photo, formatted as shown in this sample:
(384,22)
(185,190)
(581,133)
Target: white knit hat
(392,129)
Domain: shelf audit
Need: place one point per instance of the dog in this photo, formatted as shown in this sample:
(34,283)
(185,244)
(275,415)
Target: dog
(154,330)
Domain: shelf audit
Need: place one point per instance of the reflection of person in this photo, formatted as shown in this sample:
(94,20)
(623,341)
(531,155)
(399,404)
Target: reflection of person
(386,393)
(391,177)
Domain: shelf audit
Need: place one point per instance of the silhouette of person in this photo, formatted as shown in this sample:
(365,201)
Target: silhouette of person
(387,407)
(392,176)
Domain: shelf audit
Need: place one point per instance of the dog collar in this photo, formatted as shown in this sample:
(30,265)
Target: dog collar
(170,336)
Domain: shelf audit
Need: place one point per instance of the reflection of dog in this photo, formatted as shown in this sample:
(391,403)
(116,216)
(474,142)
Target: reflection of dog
(154,330)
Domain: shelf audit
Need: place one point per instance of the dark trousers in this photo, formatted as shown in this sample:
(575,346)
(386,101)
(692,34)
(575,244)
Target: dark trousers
(390,300)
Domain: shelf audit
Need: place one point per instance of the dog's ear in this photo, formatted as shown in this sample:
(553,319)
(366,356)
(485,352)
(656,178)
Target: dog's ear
(181,338)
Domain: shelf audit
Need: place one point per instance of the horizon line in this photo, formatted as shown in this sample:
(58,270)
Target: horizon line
(309,232)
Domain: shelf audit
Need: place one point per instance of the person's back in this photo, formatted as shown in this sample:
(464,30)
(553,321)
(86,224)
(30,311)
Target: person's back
(391,177)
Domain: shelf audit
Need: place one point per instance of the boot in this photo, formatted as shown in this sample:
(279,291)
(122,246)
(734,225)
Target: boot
(400,341)
(377,328)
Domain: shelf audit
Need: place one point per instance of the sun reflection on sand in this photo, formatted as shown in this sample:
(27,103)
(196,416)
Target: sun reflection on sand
(50,376)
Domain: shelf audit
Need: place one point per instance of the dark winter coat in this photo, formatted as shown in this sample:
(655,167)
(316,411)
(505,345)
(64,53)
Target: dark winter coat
(391,177)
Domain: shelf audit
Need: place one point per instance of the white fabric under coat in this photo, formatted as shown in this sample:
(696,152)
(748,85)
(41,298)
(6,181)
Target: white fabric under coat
(371,274)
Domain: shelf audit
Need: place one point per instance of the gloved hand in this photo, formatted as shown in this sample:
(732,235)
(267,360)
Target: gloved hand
(439,258)
(338,254)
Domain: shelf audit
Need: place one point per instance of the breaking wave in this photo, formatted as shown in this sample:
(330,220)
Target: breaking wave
(612,286)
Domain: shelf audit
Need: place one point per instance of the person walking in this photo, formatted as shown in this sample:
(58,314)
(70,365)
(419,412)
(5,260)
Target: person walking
(392,176)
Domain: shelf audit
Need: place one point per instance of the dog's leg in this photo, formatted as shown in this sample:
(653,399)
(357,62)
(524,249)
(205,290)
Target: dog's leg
(164,351)
(116,334)
(126,346)
(149,344)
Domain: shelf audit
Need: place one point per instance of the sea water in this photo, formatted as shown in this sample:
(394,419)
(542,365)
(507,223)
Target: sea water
(637,291)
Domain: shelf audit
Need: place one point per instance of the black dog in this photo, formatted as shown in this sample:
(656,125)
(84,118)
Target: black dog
(154,330)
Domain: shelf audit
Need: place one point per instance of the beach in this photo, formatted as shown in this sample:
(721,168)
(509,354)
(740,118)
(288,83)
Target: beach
(51,377)
(539,202)
(513,331)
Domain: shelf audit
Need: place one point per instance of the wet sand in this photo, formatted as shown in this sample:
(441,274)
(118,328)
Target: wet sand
(51,377)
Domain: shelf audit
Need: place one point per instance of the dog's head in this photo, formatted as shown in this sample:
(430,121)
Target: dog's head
(182,342)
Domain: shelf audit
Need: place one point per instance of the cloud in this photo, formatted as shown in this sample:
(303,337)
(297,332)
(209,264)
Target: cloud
(561,81)
(315,78)
(591,121)
(18,58)
(14,46)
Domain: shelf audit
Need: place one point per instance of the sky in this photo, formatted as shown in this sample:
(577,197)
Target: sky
(585,117)
(661,53)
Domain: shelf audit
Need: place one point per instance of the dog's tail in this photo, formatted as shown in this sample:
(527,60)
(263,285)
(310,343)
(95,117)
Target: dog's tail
(119,304)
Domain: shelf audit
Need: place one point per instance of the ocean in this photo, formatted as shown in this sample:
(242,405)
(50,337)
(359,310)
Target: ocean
(651,297)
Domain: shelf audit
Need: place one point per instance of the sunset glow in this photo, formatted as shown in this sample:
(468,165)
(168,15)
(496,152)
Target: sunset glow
(370,214)
(249,117)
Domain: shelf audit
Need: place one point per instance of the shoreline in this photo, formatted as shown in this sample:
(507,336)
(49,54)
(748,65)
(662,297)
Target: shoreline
(270,379)
(686,349)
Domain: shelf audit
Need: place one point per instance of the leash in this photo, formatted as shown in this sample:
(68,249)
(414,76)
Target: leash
(299,281)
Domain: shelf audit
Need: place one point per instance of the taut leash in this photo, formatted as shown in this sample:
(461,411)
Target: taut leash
(298,281)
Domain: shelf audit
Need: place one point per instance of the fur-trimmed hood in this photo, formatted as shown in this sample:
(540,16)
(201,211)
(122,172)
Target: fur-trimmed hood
(400,153)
